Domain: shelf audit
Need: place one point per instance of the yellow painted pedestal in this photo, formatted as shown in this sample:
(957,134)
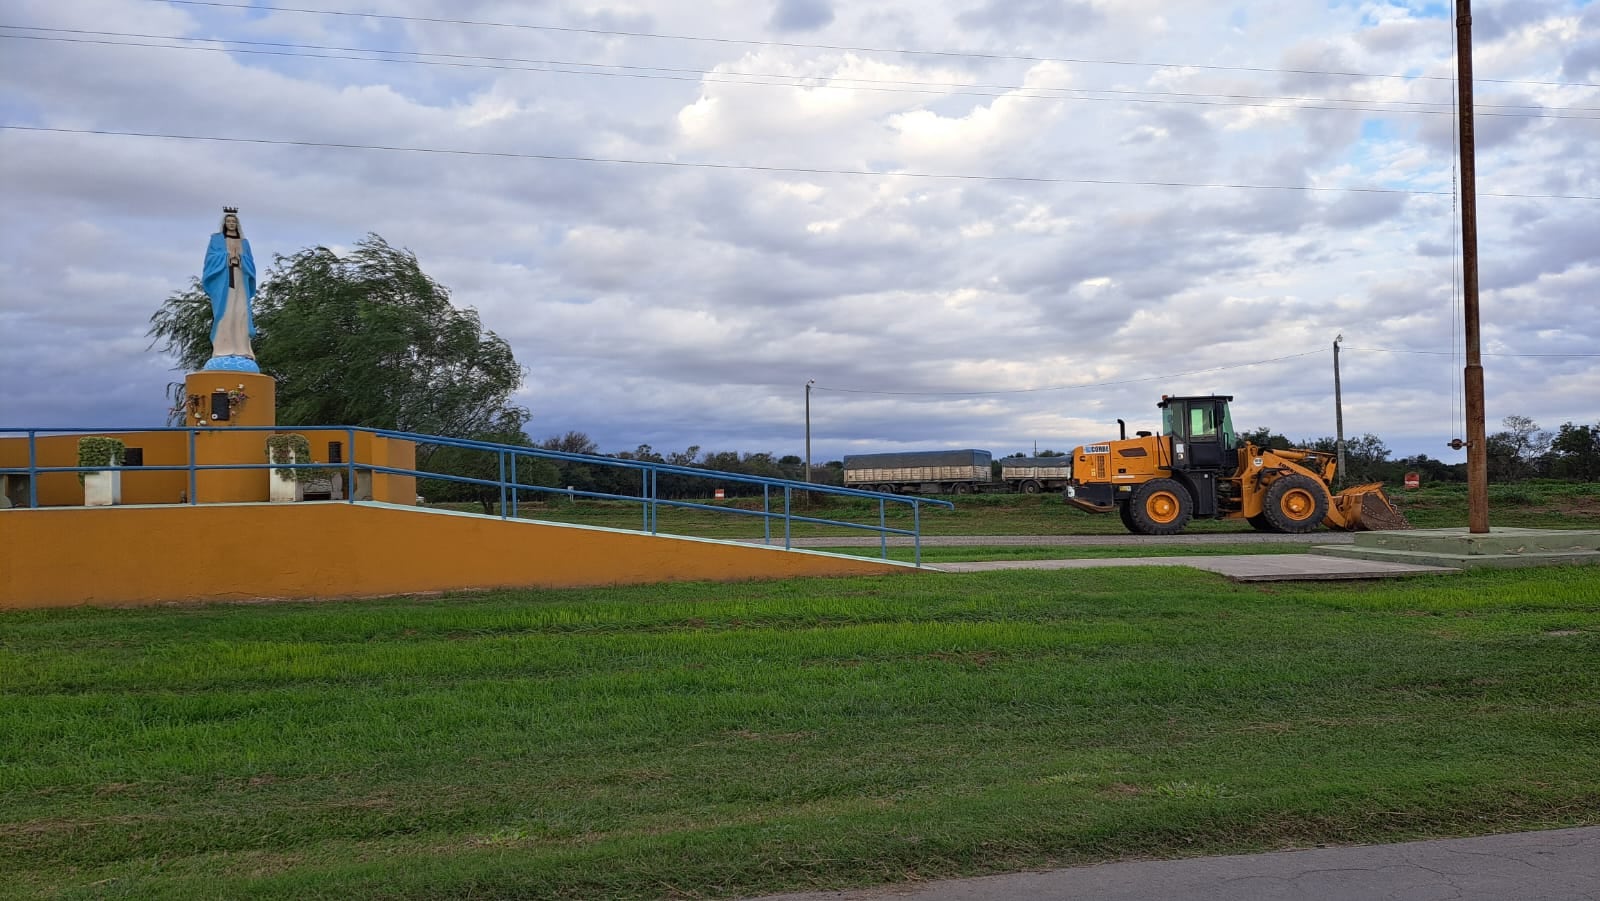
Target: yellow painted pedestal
(222,442)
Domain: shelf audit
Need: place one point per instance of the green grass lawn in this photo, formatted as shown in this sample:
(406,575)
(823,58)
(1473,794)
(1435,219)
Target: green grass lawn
(701,740)
(1533,504)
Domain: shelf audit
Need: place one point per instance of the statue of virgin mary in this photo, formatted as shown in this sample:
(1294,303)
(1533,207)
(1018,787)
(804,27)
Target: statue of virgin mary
(229,279)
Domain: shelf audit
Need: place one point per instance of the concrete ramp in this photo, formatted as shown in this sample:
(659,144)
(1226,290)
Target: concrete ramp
(63,556)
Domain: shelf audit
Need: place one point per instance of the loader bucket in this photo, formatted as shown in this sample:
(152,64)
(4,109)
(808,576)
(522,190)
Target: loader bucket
(1365,508)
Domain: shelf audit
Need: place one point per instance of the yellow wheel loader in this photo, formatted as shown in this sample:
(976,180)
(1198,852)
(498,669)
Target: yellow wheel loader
(1198,468)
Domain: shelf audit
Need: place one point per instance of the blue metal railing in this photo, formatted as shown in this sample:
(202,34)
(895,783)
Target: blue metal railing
(507,482)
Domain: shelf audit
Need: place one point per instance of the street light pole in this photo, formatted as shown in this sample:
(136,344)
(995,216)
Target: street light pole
(809,383)
(1338,415)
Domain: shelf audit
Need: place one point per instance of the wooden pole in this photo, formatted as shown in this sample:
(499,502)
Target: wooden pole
(1477,433)
(1339,479)
(809,383)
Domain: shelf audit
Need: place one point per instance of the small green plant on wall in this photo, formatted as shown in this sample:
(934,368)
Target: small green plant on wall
(97,452)
(285,449)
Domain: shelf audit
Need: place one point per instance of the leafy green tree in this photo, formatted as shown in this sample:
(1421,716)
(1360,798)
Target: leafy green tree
(1265,437)
(1365,458)
(1429,469)
(1514,453)
(477,463)
(583,476)
(1577,452)
(365,339)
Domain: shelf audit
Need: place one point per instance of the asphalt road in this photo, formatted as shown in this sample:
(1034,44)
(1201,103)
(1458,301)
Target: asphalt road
(1557,865)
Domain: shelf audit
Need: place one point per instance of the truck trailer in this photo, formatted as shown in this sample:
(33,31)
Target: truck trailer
(921,472)
(1031,475)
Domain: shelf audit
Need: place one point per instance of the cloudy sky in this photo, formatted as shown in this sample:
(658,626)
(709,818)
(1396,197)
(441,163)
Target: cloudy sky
(975,223)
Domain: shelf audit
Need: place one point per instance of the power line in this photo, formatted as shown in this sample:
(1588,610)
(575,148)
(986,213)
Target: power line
(1153,378)
(609,32)
(797,170)
(809,82)
(689,165)
(1452,353)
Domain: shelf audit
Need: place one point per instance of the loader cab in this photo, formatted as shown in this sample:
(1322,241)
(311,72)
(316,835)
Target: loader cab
(1201,429)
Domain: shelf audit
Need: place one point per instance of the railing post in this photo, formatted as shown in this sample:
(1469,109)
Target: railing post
(916,529)
(883,523)
(194,480)
(644,498)
(788,496)
(33,470)
(513,486)
(655,509)
(350,468)
(502,457)
(766,514)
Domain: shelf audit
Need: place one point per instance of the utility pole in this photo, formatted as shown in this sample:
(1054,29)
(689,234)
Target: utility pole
(1338,415)
(1477,433)
(809,383)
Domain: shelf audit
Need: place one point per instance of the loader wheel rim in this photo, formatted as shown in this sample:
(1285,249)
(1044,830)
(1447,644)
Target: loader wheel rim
(1298,504)
(1162,507)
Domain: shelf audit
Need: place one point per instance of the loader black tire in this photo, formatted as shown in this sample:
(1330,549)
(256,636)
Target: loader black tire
(1159,507)
(1259,523)
(1127,522)
(1295,504)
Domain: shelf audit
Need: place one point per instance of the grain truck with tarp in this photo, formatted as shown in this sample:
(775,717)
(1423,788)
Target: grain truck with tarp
(921,472)
(1031,475)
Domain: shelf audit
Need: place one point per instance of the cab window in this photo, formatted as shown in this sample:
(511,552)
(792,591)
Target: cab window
(1202,422)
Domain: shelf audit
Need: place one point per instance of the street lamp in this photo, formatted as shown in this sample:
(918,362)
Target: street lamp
(1338,415)
(809,383)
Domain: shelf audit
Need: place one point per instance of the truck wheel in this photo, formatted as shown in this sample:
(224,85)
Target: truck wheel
(1159,507)
(1030,487)
(1295,504)
(886,489)
(961,488)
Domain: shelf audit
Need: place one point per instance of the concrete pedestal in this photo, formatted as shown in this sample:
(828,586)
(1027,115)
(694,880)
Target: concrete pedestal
(1460,548)
(223,442)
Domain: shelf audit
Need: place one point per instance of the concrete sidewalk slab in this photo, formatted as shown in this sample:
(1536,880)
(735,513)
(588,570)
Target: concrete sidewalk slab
(1239,568)
(1119,540)
(1497,548)
(1557,865)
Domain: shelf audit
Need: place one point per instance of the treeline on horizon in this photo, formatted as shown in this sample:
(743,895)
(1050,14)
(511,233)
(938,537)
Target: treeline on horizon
(1518,452)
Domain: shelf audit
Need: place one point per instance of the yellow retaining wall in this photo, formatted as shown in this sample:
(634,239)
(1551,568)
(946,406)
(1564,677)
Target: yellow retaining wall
(144,555)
